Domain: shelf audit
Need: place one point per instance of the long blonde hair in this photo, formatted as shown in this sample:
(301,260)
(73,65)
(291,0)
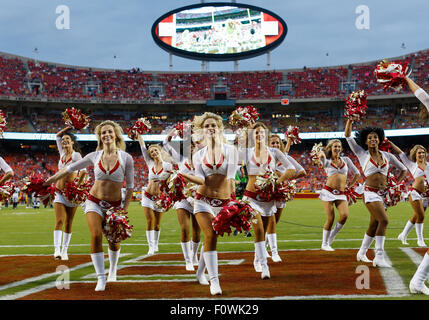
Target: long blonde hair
(328,148)
(413,152)
(198,123)
(282,145)
(250,142)
(119,141)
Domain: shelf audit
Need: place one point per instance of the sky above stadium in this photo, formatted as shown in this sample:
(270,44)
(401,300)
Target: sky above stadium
(117,34)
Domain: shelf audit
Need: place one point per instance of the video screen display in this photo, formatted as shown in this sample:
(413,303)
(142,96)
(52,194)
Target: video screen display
(220,30)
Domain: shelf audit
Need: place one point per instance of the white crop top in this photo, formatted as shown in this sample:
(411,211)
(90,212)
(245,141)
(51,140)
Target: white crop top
(4,166)
(254,168)
(163,174)
(185,166)
(295,163)
(76,156)
(227,165)
(346,165)
(423,97)
(123,169)
(369,166)
(412,166)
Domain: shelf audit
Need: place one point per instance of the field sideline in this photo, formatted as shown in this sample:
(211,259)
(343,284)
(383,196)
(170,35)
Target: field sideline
(26,234)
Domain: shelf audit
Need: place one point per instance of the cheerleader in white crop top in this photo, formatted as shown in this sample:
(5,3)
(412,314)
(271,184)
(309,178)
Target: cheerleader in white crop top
(419,194)
(259,159)
(375,165)
(159,170)
(8,172)
(65,210)
(333,194)
(215,168)
(112,167)
(419,93)
(185,207)
(276,142)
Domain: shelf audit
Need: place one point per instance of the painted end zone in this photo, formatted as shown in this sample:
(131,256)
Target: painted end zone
(302,273)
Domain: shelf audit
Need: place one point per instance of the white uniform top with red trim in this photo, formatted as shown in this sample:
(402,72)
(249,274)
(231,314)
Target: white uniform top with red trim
(369,166)
(123,169)
(163,173)
(346,165)
(63,162)
(227,164)
(412,166)
(275,157)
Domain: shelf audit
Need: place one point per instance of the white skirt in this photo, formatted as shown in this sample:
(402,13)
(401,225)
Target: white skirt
(266,209)
(415,196)
(185,205)
(148,203)
(328,196)
(59,198)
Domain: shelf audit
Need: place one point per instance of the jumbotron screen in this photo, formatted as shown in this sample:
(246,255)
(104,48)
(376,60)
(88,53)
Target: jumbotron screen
(219,31)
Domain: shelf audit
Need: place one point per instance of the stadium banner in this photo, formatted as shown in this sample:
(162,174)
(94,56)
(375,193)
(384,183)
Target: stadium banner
(228,136)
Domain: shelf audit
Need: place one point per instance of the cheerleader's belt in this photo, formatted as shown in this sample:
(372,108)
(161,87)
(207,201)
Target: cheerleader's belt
(214,202)
(380,192)
(103,203)
(334,191)
(256,196)
(150,196)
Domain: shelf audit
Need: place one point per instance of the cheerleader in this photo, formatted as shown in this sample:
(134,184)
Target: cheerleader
(333,194)
(259,159)
(159,170)
(8,173)
(419,195)
(215,168)
(112,166)
(375,166)
(64,209)
(185,208)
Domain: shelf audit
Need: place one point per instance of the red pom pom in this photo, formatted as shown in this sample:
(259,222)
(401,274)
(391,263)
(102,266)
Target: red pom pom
(243,117)
(75,118)
(392,74)
(183,127)
(394,190)
(34,183)
(164,202)
(116,225)
(236,214)
(351,195)
(141,126)
(385,145)
(77,193)
(356,105)
(293,133)
(174,186)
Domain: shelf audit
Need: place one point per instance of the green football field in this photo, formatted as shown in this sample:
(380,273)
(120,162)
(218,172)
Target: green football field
(26,231)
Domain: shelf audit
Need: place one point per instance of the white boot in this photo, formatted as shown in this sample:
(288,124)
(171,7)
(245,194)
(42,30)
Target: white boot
(260,251)
(201,277)
(404,234)
(65,246)
(366,243)
(149,237)
(256,263)
(419,231)
(272,240)
(212,268)
(267,243)
(98,262)
(379,259)
(156,240)
(113,268)
(187,254)
(195,246)
(333,234)
(58,235)
(417,283)
(325,238)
